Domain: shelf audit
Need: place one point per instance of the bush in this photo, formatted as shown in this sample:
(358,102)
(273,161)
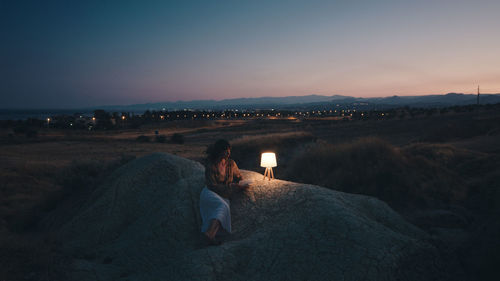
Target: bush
(143,138)
(177,138)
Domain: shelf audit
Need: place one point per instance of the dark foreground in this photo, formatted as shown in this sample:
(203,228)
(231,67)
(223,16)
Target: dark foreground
(441,172)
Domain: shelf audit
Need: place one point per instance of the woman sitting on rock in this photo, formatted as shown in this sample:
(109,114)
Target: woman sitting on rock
(221,178)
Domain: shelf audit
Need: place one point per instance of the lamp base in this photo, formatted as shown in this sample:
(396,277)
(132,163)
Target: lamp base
(269,173)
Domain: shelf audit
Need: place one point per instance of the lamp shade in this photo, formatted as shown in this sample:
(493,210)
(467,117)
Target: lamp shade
(268,160)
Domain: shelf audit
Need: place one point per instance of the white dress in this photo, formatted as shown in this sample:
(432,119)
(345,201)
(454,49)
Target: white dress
(213,206)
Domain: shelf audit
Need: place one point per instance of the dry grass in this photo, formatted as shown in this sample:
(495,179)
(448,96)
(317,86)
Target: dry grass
(23,188)
(30,191)
(246,150)
(418,175)
(34,173)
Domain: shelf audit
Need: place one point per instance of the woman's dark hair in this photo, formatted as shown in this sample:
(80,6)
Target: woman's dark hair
(215,150)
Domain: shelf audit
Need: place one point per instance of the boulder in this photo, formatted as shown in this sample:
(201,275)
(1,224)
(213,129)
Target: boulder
(144,224)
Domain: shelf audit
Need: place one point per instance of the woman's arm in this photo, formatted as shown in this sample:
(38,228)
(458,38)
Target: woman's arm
(237,177)
(236,172)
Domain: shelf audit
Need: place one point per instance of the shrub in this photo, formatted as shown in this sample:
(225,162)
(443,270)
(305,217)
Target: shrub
(177,138)
(143,138)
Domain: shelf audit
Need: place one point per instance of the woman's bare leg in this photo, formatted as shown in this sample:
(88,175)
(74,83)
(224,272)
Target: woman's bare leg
(213,228)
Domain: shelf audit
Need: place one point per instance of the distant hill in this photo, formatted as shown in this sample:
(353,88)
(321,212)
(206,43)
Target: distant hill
(311,101)
(261,102)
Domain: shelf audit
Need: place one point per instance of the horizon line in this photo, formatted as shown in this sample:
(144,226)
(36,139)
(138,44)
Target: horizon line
(234,98)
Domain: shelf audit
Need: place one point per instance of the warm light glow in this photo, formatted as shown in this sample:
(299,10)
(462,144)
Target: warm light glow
(268,160)
(123,117)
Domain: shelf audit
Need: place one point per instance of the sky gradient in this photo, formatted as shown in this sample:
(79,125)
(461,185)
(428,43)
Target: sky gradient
(69,54)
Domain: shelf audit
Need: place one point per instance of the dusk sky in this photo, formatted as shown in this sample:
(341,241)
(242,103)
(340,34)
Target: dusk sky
(57,54)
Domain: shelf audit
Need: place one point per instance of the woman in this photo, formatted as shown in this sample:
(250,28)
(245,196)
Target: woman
(221,179)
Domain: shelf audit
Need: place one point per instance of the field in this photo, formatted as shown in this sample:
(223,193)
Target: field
(441,172)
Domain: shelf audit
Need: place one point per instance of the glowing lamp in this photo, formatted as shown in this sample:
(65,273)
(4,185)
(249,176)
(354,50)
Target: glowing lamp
(268,161)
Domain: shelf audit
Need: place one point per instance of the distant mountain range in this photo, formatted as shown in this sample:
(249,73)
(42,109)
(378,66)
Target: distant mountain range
(314,101)
(303,103)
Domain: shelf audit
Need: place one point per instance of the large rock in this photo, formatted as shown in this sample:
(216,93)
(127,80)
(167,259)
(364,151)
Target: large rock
(144,225)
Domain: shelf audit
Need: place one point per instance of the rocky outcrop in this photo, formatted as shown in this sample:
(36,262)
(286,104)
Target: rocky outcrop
(144,225)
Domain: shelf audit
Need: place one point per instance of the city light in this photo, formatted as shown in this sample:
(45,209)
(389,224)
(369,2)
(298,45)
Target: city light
(343,113)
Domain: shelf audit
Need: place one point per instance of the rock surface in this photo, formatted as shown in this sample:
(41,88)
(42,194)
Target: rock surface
(144,225)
